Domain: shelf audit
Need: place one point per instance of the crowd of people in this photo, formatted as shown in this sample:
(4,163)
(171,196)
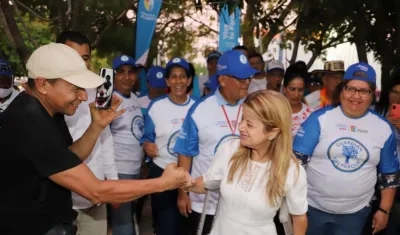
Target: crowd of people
(291,151)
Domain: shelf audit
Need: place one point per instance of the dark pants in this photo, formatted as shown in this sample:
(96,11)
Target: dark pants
(321,222)
(194,220)
(168,219)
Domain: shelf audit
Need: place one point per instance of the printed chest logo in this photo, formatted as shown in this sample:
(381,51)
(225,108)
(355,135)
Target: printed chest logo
(171,143)
(347,154)
(223,140)
(137,127)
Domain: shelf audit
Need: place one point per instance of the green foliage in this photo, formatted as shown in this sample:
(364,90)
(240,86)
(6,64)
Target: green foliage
(40,34)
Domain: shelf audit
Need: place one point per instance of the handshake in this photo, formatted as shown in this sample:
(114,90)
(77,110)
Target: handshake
(176,177)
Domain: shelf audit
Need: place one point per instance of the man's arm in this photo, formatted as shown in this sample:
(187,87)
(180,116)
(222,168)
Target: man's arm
(81,180)
(83,146)
(100,120)
(107,151)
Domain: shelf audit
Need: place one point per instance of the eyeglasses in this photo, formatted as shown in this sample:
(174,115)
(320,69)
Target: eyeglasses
(394,92)
(352,90)
(5,68)
(239,79)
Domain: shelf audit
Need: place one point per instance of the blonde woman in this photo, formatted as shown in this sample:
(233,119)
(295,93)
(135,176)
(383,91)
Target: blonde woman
(258,171)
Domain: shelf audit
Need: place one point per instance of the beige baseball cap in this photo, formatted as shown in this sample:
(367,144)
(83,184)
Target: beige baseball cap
(56,60)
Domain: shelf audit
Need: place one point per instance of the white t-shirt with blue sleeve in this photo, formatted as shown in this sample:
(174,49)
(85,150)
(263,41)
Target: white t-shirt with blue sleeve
(127,130)
(162,124)
(345,155)
(205,128)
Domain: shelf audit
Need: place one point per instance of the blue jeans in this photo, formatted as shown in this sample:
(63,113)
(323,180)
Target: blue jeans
(167,217)
(122,217)
(324,223)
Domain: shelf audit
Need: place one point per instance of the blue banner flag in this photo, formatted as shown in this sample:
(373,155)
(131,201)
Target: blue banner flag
(229,29)
(146,20)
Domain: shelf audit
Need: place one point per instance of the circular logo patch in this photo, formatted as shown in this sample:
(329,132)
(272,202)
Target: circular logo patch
(243,59)
(171,143)
(159,75)
(137,127)
(176,60)
(347,154)
(224,140)
(124,58)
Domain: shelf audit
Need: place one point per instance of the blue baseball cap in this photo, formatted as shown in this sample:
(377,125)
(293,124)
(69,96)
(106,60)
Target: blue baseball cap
(234,63)
(123,60)
(5,68)
(212,82)
(178,62)
(213,55)
(360,71)
(156,77)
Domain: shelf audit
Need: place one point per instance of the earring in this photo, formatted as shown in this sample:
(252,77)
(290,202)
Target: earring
(270,138)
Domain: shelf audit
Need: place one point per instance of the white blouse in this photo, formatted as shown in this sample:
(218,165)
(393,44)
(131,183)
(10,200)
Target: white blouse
(243,205)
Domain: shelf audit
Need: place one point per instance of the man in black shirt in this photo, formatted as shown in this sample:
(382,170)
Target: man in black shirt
(40,162)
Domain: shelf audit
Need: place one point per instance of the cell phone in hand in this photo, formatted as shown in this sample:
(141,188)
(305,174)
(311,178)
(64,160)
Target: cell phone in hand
(104,92)
(395,112)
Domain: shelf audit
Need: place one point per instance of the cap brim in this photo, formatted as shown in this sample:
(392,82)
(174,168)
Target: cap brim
(245,73)
(86,80)
(320,72)
(276,69)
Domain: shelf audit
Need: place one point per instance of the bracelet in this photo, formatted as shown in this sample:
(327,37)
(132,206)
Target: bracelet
(384,211)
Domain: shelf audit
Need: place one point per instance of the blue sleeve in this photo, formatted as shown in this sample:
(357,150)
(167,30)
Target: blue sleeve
(144,111)
(196,87)
(308,135)
(149,132)
(187,143)
(388,160)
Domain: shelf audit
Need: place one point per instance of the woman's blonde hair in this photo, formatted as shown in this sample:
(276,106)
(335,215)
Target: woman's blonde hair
(274,111)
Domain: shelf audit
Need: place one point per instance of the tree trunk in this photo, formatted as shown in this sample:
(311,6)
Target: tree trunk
(248,29)
(312,60)
(296,45)
(21,48)
(77,9)
(360,35)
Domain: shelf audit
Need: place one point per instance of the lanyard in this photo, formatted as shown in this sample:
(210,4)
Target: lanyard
(229,121)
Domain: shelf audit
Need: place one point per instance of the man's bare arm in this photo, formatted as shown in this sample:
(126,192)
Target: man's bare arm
(83,146)
(82,181)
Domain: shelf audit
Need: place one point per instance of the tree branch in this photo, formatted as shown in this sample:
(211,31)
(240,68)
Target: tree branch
(28,33)
(204,24)
(21,47)
(111,23)
(40,17)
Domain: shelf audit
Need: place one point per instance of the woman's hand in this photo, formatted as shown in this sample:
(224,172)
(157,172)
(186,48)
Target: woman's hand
(379,221)
(150,149)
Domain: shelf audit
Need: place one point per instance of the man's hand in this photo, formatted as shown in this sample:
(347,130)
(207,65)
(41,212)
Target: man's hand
(174,177)
(103,117)
(379,221)
(150,149)
(184,203)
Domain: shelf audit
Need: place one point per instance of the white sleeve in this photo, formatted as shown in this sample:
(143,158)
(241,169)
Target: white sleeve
(220,163)
(107,151)
(296,195)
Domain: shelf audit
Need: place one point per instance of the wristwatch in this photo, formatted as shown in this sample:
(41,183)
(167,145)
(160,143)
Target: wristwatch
(384,211)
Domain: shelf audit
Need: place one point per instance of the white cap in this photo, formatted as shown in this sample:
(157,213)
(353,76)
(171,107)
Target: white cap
(56,60)
(275,64)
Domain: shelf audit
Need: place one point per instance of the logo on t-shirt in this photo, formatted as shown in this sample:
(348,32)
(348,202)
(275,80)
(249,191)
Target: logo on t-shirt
(171,143)
(225,139)
(137,127)
(347,154)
